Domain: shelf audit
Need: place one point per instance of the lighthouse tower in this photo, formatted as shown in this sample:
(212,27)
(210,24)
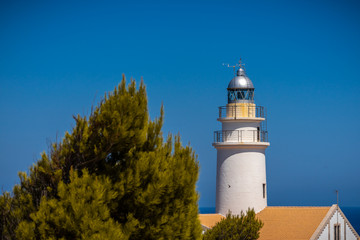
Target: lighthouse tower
(240,145)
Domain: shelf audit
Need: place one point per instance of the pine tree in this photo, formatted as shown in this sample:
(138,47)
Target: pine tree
(152,181)
(236,227)
(80,212)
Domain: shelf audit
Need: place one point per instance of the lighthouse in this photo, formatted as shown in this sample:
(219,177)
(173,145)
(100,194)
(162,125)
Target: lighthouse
(241,174)
(240,145)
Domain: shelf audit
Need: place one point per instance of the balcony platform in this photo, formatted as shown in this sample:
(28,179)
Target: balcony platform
(241,119)
(241,145)
(242,112)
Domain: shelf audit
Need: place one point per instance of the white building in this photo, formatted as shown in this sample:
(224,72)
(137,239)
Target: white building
(241,175)
(300,223)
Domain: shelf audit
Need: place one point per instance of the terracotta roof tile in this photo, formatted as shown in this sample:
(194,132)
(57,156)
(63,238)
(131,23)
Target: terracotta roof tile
(290,222)
(209,220)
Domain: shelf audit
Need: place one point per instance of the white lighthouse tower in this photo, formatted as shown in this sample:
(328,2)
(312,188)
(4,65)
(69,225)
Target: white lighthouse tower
(241,144)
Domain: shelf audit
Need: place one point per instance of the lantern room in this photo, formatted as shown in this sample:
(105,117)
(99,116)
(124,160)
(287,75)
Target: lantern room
(240,88)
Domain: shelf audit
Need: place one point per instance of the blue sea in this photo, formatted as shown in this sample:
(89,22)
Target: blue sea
(351,213)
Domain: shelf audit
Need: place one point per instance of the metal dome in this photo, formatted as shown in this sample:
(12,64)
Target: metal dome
(241,81)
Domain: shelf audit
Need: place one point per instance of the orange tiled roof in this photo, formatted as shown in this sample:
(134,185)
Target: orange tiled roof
(290,222)
(209,220)
(281,222)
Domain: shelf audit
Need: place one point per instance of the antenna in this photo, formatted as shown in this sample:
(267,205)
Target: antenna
(230,66)
(234,66)
(241,64)
(337,206)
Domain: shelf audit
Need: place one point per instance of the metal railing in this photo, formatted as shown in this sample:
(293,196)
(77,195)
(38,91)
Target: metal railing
(240,136)
(242,111)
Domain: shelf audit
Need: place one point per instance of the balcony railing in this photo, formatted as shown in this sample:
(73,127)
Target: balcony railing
(240,136)
(242,111)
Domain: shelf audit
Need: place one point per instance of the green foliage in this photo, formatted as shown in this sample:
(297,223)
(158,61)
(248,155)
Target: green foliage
(147,185)
(237,227)
(14,209)
(80,212)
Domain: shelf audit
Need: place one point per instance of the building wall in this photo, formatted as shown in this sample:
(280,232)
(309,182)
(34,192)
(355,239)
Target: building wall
(345,231)
(240,125)
(241,174)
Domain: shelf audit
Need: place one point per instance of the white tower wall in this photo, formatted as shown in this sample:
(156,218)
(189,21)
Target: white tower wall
(241,174)
(240,125)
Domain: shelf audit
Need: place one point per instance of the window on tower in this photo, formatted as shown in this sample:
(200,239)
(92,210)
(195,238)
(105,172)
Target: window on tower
(240,95)
(264,190)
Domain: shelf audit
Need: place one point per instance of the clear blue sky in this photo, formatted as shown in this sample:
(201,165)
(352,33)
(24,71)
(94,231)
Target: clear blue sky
(57,58)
